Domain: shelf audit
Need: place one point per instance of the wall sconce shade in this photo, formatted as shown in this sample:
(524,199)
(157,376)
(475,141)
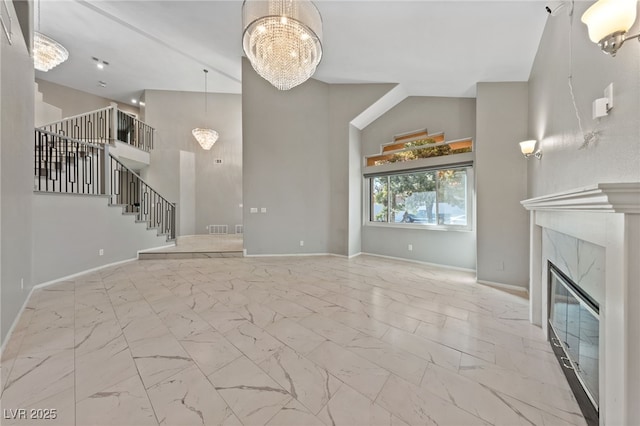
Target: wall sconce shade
(608,22)
(528,149)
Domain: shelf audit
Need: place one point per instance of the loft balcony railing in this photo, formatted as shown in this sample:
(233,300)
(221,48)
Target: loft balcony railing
(66,165)
(134,132)
(136,196)
(105,126)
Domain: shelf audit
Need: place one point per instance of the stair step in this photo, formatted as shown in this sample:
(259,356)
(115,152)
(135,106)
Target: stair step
(188,255)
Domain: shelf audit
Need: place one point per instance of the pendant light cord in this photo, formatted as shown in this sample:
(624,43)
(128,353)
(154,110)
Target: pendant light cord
(206,71)
(592,136)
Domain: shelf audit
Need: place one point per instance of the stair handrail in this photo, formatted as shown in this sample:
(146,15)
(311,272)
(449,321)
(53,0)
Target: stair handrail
(62,120)
(61,136)
(138,176)
(169,227)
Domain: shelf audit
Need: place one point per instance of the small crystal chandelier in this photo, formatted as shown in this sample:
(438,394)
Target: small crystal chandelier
(47,53)
(282,39)
(205,137)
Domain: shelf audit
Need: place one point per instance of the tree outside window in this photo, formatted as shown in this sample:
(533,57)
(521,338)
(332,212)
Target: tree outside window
(427,197)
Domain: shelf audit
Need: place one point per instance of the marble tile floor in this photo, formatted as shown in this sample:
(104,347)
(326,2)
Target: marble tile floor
(280,341)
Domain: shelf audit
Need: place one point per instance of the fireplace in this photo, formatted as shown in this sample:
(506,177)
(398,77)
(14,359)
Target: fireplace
(592,236)
(574,331)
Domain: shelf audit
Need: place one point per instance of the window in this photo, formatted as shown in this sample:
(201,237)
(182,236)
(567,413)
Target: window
(426,197)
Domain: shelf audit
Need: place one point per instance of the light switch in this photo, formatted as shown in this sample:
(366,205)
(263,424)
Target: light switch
(263,210)
(254,210)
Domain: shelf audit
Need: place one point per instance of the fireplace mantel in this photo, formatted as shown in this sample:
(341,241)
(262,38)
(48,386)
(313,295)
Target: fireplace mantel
(607,215)
(603,197)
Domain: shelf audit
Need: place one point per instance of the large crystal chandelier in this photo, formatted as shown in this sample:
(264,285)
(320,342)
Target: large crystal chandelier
(282,39)
(47,53)
(205,137)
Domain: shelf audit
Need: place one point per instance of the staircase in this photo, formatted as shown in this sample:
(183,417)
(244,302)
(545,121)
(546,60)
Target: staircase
(72,157)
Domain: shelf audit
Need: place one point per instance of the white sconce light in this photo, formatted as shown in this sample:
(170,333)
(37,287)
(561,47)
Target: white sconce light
(528,149)
(608,22)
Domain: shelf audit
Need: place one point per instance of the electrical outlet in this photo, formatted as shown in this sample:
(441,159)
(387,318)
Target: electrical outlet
(253,210)
(301,243)
(410,247)
(500,266)
(263,210)
(101,252)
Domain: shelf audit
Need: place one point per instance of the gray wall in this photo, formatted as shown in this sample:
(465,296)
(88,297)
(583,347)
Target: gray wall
(346,101)
(457,118)
(217,194)
(552,119)
(74,102)
(44,113)
(355,191)
(82,226)
(16,173)
(286,166)
(501,183)
(296,154)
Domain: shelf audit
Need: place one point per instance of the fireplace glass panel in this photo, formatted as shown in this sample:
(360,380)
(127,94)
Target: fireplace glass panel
(574,319)
(572,340)
(559,310)
(589,348)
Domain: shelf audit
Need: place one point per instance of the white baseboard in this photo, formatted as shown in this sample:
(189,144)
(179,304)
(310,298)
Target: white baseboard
(351,256)
(510,287)
(438,265)
(47,284)
(291,255)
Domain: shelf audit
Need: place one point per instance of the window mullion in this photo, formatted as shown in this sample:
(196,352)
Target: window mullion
(437,198)
(388,199)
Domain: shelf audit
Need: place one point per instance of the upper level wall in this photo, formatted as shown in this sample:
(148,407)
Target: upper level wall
(74,102)
(615,157)
(208,193)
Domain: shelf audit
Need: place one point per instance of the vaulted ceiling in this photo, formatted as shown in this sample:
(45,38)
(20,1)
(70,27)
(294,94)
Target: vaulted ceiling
(431,48)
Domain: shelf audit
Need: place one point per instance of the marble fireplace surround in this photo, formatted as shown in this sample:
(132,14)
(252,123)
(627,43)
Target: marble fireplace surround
(599,227)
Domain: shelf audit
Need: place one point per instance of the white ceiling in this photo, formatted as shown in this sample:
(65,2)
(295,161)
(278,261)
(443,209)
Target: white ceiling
(432,48)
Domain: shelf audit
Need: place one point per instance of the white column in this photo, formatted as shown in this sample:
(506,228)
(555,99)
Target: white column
(535,272)
(114,121)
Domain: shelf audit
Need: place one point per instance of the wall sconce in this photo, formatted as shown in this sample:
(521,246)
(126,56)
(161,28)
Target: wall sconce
(528,148)
(608,22)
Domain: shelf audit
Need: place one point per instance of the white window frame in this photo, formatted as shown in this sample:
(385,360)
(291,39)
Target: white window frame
(422,226)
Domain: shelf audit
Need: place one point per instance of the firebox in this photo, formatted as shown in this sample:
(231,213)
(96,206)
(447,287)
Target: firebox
(574,336)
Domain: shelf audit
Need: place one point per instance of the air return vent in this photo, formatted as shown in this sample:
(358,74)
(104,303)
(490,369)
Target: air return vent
(218,229)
